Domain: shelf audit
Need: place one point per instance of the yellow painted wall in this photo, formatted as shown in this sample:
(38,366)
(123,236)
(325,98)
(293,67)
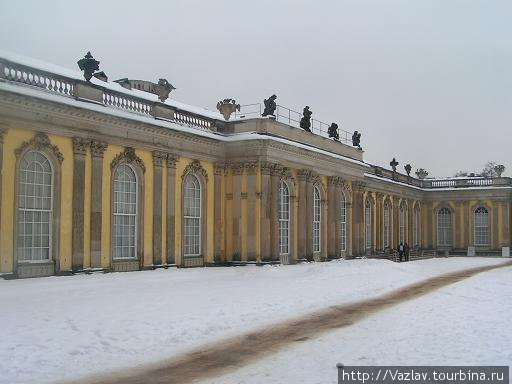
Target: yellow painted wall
(147,158)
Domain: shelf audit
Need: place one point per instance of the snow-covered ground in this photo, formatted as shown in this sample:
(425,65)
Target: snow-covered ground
(65,327)
(467,323)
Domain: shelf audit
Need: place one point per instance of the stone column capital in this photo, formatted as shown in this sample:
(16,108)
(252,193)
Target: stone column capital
(237,168)
(251,167)
(98,148)
(266,167)
(171,161)
(304,174)
(80,145)
(220,169)
(158,158)
(2,133)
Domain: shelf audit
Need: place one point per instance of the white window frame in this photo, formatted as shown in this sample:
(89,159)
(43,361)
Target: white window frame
(481,231)
(34,210)
(198,218)
(317,221)
(444,227)
(368,224)
(343,222)
(387,214)
(115,214)
(284,218)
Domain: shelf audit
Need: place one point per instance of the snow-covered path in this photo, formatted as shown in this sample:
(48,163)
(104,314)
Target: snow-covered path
(466,323)
(66,327)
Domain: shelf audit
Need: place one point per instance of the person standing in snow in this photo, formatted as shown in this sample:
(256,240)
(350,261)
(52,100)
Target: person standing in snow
(406,251)
(400,251)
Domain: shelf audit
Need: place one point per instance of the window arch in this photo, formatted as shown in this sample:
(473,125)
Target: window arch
(403,220)
(317,220)
(192,216)
(343,222)
(481,226)
(125,211)
(284,218)
(387,214)
(368,224)
(35,208)
(444,227)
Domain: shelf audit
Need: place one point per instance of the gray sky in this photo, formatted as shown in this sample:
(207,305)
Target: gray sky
(426,81)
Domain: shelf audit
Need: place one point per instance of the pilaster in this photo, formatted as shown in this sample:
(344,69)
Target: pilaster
(219,172)
(332,217)
(358,248)
(97,150)
(251,169)
(79,151)
(303,175)
(171,193)
(265,169)
(236,172)
(159,159)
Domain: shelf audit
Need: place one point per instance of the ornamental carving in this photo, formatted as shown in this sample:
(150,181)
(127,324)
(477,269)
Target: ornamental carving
(40,142)
(337,181)
(128,156)
(159,157)
(220,169)
(266,168)
(171,161)
(251,167)
(304,174)
(287,175)
(359,186)
(237,168)
(80,145)
(196,168)
(98,148)
(2,133)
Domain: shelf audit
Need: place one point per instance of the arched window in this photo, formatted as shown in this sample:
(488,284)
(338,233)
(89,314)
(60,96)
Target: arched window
(35,192)
(444,227)
(343,222)
(481,227)
(386,224)
(317,218)
(192,216)
(402,223)
(368,224)
(125,213)
(284,219)
(416,231)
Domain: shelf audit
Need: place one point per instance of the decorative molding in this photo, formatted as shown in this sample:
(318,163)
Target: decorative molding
(196,168)
(80,145)
(359,186)
(158,158)
(237,168)
(304,174)
(243,195)
(287,175)
(266,167)
(39,142)
(251,167)
(128,156)
(2,133)
(220,169)
(229,196)
(336,181)
(171,161)
(98,148)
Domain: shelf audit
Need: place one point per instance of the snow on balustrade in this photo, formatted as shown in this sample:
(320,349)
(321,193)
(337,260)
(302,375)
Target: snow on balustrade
(443,183)
(118,100)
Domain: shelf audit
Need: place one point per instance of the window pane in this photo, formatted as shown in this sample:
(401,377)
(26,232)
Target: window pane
(125,213)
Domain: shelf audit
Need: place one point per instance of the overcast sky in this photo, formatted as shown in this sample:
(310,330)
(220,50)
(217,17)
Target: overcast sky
(426,81)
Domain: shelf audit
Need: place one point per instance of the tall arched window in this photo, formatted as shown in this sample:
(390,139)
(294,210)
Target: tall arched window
(481,226)
(343,222)
(125,213)
(191,216)
(368,224)
(416,231)
(317,218)
(402,223)
(386,224)
(284,218)
(444,227)
(35,191)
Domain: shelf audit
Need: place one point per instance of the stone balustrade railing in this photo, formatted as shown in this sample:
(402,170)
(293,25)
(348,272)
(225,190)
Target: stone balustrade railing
(72,87)
(442,183)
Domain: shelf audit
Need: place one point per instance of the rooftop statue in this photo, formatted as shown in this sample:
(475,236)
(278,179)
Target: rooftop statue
(227,106)
(305,122)
(270,106)
(394,164)
(161,89)
(408,169)
(356,140)
(88,65)
(333,132)
(421,173)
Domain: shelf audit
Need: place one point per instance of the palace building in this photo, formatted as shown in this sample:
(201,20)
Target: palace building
(97,176)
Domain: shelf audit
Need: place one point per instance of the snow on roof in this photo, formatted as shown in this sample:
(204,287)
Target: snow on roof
(77,75)
(58,98)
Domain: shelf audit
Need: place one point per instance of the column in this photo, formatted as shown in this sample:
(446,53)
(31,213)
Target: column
(396,221)
(494,225)
(236,172)
(467,217)
(309,218)
(219,171)
(429,213)
(251,169)
(274,222)
(265,211)
(332,217)
(171,193)
(378,221)
(158,160)
(358,218)
(2,133)
(79,151)
(97,150)
(303,175)
(505,224)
